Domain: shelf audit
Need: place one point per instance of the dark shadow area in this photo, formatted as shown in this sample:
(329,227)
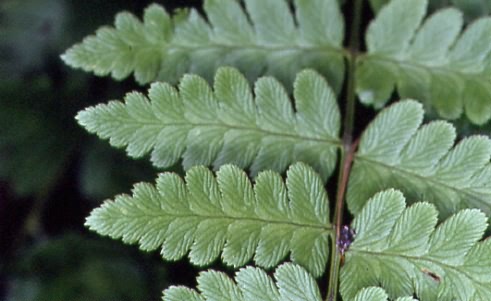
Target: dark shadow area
(53,173)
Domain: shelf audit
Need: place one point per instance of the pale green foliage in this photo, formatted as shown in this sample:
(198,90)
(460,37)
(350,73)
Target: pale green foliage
(132,46)
(206,215)
(162,47)
(428,61)
(431,62)
(471,8)
(395,151)
(293,283)
(400,249)
(225,125)
(376,294)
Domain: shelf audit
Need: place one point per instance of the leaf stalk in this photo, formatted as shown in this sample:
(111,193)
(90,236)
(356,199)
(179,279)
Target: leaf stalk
(348,150)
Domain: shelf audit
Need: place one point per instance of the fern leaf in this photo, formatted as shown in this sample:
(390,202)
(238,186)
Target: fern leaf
(376,294)
(225,126)
(164,48)
(395,151)
(210,214)
(400,249)
(431,62)
(293,283)
(471,9)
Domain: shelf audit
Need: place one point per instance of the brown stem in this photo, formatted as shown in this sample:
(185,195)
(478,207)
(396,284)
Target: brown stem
(336,256)
(344,184)
(348,149)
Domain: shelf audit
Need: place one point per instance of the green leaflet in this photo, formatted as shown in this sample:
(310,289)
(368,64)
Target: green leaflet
(208,215)
(376,294)
(472,9)
(400,249)
(293,283)
(395,151)
(225,125)
(432,61)
(162,48)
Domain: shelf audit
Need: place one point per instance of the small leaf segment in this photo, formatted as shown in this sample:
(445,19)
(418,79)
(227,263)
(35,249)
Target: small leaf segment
(293,283)
(396,151)
(431,61)
(400,249)
(376,294)
(472,9)
(266,38)
(225,125)
(207,216)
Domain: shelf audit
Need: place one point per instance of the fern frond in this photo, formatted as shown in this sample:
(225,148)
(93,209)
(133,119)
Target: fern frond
(263,39)
(293,283)
(376,294)
(208,215)
(225,126)
(471,9)
(395,151)
(431,62)
(400,249)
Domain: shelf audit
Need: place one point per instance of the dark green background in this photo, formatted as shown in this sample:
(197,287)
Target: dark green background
(52,173)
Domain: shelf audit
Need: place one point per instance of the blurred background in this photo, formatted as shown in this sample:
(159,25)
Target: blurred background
(52,173)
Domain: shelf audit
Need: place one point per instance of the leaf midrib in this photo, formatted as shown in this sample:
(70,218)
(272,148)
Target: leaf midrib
(433,180)
(333,141)
(416,258)
(444,69)
(327,228)
(171,46)
(258,47)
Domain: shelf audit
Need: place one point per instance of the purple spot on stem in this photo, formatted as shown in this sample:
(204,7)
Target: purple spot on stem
(345,239)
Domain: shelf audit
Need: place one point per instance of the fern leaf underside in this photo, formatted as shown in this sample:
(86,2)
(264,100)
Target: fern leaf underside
(431,61)
(265,38)
(395,151)
(400,249)
(376,294)
(293,283)
(225,125)
(208,216)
